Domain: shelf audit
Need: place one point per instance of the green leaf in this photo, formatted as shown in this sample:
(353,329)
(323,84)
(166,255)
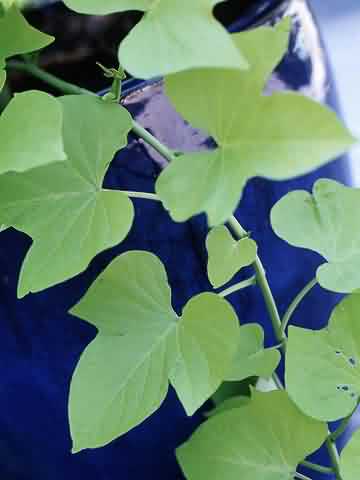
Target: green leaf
(254,442)
(252,359)
(183,34)
(17,36)
(31,132)
(350,459)
(279,136)
(62,206)
(327,223)
(97,7)
(123,375)
(323,367)
(226,256)
(208,336)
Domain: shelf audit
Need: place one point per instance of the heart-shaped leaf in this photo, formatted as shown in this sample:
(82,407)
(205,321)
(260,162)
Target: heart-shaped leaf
(226,256)
(62,206)
(122,377)
(31,132)
(326,222)
(350,459)
(251,358)
(323,367)
(183,33)
(17,36)
(253,442)
(279,136)
(208,336)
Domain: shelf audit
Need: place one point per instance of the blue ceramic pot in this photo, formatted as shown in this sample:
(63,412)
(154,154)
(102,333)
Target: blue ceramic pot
(41,343)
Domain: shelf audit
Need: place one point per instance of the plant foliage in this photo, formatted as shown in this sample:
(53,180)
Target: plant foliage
(54,155)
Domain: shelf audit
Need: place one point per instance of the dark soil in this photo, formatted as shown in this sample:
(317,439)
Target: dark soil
(82,40)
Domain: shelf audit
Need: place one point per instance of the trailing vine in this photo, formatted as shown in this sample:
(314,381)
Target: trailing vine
(51,188)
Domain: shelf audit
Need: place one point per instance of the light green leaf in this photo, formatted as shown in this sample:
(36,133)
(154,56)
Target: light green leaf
(62,206)
(31,132)
(326,222)
(226,256)
(183,33)
(252,359)
(208,336)
(294,136)
(254,442)
(17,36)
(123,375)
(350,459)
(97,7)
(323,367)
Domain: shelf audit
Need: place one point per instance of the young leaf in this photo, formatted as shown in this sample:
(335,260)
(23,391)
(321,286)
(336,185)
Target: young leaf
(31,132)
(17,36)
(62,206)
(277,136)
(208,336)
(172,36)
(226,256)
(350,459)
(122,377)
(323,367)
(327,223)
(252,359)
(254,442)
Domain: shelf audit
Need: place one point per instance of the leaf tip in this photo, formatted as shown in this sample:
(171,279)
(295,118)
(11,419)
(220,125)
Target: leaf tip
(76,449)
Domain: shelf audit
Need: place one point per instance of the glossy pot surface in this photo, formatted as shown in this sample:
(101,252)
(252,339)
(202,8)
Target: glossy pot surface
(41,343)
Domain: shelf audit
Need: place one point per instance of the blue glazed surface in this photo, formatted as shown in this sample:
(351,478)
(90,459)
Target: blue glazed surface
(41,343)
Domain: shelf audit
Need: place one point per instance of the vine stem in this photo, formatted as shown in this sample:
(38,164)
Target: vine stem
(294,304)
(343,425)
(238,286)
(264,287)
(144,195)
(47,78)
(70,88)
(300,476)
(334,457)
(317,468)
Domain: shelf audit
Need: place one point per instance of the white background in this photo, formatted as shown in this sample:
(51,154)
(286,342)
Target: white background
(339,21)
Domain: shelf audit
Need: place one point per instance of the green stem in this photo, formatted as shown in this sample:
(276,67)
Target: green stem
(277,381)
(144,195)
(300,476)
(69,88)
(153,141)
(47,78)
(238,286)
(264,287)
(334,457)
(343,425)
(317,468)
(294,304)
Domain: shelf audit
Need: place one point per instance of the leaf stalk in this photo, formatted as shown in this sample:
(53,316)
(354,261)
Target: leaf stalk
(238,286)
